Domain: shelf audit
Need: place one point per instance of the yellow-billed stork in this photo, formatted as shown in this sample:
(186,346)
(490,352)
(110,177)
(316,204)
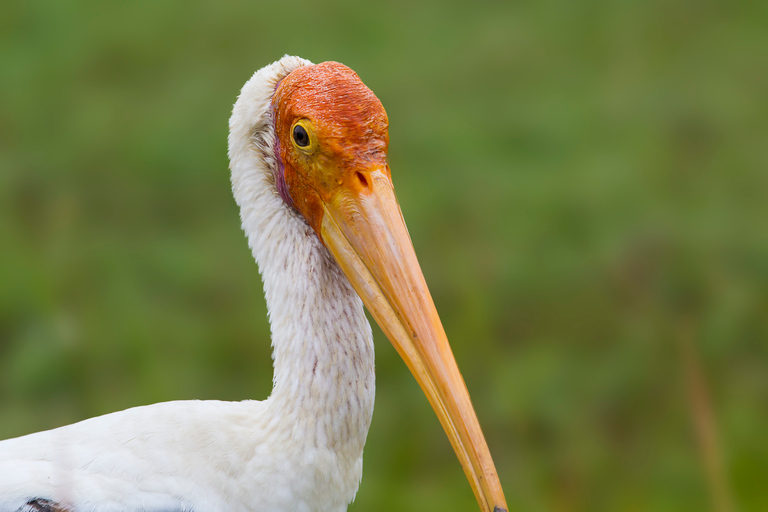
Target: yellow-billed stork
(308,154)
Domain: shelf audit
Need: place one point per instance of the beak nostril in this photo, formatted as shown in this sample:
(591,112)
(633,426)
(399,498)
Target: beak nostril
(361,179)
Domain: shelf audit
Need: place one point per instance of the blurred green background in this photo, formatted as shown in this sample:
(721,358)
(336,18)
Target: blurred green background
(585,184)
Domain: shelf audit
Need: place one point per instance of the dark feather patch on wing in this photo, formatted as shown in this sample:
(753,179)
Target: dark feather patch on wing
(42,505)
(46,505)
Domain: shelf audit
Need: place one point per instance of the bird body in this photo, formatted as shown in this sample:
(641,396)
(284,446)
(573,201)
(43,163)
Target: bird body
(300,449)
(179,456)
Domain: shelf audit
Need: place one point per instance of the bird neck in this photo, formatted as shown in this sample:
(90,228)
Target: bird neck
(322,342)
(322,347)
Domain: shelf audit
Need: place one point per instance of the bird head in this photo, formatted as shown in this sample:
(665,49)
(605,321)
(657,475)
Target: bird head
(332,136)
(330,164)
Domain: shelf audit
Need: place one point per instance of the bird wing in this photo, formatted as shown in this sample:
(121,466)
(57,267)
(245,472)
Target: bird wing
(162,457)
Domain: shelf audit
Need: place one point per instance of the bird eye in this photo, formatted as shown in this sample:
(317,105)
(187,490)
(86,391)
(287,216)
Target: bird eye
(301,136)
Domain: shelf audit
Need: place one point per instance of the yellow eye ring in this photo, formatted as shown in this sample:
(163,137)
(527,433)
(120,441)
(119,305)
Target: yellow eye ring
(301,135)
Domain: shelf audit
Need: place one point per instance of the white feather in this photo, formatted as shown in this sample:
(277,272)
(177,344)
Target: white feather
(299,450)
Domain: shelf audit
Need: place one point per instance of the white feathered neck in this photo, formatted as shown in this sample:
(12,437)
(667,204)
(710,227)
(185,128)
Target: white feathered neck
(322,342)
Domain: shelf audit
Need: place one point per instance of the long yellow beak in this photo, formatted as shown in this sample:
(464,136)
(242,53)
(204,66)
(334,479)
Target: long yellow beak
(365,231)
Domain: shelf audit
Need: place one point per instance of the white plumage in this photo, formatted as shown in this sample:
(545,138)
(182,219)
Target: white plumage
(299,450)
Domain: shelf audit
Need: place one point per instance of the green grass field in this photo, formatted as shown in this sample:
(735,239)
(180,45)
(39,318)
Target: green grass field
(586,185)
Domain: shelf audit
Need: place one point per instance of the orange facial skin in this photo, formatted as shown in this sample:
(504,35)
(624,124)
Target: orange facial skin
(348,130)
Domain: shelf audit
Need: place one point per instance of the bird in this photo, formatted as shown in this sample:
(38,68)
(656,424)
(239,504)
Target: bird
(308,148)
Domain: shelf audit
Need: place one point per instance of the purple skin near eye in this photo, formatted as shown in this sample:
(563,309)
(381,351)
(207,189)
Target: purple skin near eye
(282,186)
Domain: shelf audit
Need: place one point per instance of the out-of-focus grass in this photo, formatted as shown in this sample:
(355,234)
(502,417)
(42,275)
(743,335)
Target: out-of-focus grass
(582,181)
